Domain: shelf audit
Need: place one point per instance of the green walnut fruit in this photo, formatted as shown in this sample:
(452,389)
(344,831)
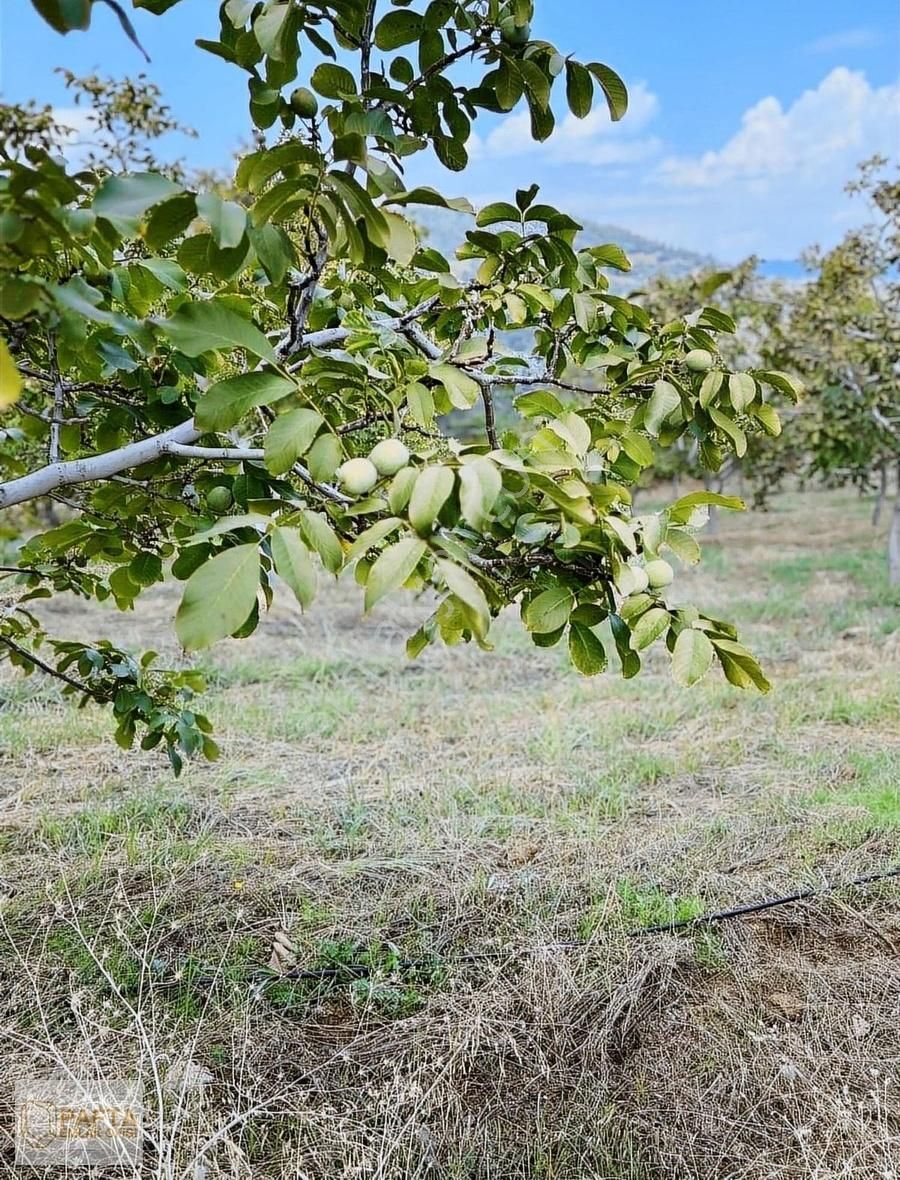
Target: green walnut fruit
(219,498)
(358,476)
(699,360)
(659,574)
(389,456)
(514,34)
(304,103)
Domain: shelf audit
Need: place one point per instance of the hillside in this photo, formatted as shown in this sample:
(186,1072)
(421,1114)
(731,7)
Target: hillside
(445,230)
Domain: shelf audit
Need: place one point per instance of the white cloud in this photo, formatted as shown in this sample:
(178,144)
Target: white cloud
(773,187)
(594,140)
(844,41)
(77,126)
(834,126)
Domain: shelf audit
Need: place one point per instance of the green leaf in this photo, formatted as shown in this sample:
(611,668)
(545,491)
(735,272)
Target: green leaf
(451,152)
(681,510)
(710,386)
(461,388)
(783,382)
(65,15)
(402,243)
(123,200)
(684,545)
(579,89)
(466,589)
(225,403)
(663,401)
(226,219)
(610,255)
(499,211)
(274,250)
(392,569)
(169,220)
(293,563)
(200,327)
(586,650)
(420,404)
(649,627)
(289,437)
(145,569)
(218,597)
(768,416)
(741,390)
(480,483)
(739,666)
(550,610)
(398,28)
(637,448)
(321,537)
(730,427)
(333,81)
(711,317)
(613,88)
(539,403)
(692,657)
(430,493)
(424,195)
(629,659)
(373,536)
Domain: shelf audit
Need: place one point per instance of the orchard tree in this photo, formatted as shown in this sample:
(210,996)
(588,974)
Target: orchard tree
(761,310)
(249,393)
(844,335)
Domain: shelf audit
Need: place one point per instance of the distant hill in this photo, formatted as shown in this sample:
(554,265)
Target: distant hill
(446,230)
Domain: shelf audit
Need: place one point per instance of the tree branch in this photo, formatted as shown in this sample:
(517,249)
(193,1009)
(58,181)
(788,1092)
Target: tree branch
(93,467)
(111,463)
(223,454)
(48,668)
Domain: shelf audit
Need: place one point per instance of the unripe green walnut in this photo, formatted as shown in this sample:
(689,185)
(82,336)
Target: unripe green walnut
(358,476)
(389,456)
(304,103)
(659,573)
(514,34)
(699,360)
(219,498)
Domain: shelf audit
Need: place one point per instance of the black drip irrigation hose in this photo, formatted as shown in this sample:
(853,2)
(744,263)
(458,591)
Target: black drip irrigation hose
(365,970)
(347,972)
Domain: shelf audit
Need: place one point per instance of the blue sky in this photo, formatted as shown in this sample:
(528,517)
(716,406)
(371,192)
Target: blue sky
(746,120)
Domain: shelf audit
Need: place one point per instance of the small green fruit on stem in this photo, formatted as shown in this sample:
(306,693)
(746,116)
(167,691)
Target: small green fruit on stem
(304,103)
(358,476)
(389,456)
(699,360)
(659,573)
(219,498)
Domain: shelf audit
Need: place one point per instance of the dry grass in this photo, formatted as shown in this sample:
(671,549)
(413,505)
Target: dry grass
(372,807)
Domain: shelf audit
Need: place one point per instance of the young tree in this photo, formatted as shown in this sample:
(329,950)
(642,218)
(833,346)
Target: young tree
(226,390)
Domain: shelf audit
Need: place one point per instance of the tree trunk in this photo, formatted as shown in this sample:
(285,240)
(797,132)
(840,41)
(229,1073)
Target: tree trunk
(882,493)
(894,540)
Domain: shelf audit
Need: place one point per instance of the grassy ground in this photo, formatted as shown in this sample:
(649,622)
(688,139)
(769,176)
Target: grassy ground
(371,808)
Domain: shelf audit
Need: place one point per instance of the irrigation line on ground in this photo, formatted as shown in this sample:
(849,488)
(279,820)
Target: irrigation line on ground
(265,977)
